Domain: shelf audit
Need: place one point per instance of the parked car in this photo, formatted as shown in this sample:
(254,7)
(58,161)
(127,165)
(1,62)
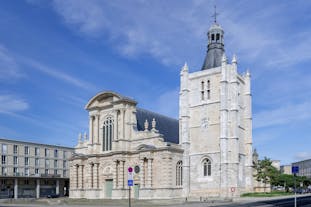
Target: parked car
(53,196)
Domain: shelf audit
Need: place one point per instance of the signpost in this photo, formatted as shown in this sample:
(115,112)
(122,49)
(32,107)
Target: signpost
(295,170)
(130,182)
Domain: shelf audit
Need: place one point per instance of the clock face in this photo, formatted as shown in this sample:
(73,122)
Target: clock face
(136,169)
(204,123)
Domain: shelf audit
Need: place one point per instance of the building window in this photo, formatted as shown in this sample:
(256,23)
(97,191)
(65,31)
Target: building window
(55,153)
(26,182)
(26,150)
(107,134)
(179,173)
(37,151)
(37,162)
(55,163)
(213,37)
(3,171)
(217,36)
(3,158)
(15,171)
(15,149)
(4,148)
(55,172)
(208,89)
(64,155)
(46,171)
(207,167)
(64,164)
(37,172)
(64,173)
(26,171)
(47,163)
(202,90)
(15,160)
(46,152)
(26,161)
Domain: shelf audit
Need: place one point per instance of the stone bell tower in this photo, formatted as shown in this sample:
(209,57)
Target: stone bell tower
(216,125)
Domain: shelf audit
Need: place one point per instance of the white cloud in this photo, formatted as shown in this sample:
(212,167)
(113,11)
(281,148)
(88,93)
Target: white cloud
(58,74)
(283,115)
(302,156)
(11,104)
(8,67)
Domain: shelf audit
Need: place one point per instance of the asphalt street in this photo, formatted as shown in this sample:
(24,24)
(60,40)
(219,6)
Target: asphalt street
(303,201)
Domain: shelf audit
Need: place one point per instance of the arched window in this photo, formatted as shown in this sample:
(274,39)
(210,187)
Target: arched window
(213,37)
(208,89)
(207,167)
(202,90)
(107,134)
(179,173)
(217,37)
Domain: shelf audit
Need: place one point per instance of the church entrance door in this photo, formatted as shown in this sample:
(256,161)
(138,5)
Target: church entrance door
(108,188)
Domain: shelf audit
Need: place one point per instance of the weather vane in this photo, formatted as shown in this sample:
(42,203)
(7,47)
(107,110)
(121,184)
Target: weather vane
(215,14)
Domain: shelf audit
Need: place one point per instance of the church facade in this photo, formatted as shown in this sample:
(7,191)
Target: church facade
(206,153)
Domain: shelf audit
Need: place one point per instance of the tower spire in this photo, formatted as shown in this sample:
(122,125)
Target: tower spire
(215,14)
(215,46)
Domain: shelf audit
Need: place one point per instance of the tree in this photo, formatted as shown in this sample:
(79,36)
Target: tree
(265,172)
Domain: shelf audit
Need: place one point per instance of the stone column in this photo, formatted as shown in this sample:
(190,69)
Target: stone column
(91,175)
(120,175)
(15,188)
(142,172)
(97,175)
(77,176)
(98,127)
(37,188)
(82,177)
(149,181)
(115,175)
(57,187)
(122,114)
(91,128)
(123,173)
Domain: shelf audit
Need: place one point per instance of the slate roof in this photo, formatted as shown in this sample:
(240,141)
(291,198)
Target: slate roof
(167,126)
(215,50)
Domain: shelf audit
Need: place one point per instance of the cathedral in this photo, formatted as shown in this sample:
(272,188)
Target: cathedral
(206,153)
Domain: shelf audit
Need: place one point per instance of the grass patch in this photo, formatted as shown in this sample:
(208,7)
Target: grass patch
(271,194)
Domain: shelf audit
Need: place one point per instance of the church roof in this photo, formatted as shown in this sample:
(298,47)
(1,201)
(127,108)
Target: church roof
(165,125)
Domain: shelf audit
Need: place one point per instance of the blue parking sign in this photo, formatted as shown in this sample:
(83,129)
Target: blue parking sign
(130,182)
(295,169)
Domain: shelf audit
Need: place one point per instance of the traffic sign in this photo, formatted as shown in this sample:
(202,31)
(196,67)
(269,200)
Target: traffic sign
(130,182)
(295,169)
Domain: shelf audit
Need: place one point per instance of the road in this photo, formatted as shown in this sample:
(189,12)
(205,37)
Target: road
(304,201)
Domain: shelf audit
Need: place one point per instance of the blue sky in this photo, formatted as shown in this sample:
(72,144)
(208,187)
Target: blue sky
(55,55)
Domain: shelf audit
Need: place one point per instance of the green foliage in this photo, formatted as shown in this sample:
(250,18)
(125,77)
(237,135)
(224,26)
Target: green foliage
(265,172)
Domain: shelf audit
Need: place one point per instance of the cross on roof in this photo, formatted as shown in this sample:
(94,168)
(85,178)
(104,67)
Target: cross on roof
(215,14)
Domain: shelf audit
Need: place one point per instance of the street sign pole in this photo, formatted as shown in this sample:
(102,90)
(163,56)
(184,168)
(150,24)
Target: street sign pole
(129,196)
(295,190)
(295,170)
(130,182)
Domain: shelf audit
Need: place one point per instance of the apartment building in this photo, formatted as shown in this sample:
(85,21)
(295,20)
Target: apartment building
(304,167)
(33,170)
